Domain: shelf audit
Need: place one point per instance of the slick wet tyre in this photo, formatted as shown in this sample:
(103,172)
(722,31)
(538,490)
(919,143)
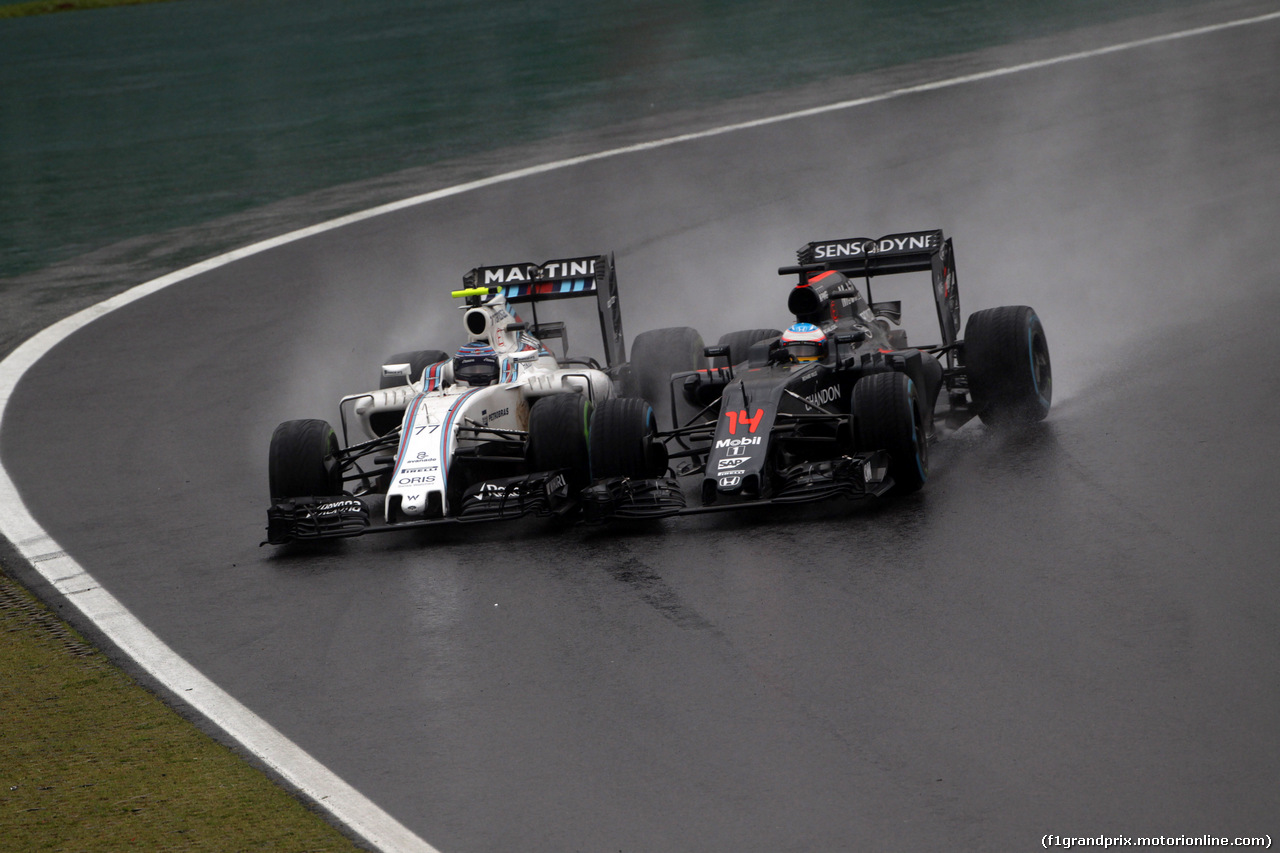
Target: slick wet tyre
(888,416)
(623,440)
(559,431)
(418,360)
(303,460)
(1006,357)
(655,356)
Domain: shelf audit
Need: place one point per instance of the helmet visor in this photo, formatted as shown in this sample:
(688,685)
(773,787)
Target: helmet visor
(476,371)
(805,350)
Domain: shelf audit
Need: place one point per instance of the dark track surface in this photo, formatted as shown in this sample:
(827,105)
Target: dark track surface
(1070,631)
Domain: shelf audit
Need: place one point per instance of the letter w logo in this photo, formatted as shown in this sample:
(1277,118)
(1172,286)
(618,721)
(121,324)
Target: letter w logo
(740,417)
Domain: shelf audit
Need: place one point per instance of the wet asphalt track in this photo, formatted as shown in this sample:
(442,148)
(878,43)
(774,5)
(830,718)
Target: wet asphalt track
(1075,630)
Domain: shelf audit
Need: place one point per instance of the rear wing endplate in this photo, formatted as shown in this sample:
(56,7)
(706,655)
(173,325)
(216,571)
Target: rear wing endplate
(563,278)
(912,251)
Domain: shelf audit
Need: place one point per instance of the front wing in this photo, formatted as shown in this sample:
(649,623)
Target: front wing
(311,518)
(547,494)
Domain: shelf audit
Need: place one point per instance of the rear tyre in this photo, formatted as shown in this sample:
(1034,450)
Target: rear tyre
(655,356)
(888,415)
(739,343)
(303,460)
(559,427)
(623,441)
(1006,357)
(419,360)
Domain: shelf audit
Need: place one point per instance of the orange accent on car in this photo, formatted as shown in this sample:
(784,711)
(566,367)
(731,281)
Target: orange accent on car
(740,417)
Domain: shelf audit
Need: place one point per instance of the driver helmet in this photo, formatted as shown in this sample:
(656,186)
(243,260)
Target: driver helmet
(804,342)
(476,363)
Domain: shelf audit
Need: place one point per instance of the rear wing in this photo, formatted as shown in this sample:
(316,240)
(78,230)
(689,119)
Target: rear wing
(912,251)
(564,278)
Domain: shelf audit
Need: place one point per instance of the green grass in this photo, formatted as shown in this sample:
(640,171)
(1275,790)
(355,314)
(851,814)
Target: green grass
(45,7)
(90,760)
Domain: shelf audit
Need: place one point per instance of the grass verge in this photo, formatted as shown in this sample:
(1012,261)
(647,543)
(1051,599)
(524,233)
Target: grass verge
(92,761)
(45,7)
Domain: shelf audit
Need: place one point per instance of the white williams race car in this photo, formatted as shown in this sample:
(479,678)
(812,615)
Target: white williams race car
(502,428)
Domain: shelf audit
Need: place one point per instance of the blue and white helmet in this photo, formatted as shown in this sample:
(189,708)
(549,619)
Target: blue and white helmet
(804,342)
(475,363)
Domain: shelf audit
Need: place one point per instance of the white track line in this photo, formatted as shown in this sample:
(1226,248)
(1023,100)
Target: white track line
(347,805)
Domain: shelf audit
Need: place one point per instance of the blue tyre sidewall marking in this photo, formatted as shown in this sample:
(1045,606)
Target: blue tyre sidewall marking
(1032,325)
(915,433)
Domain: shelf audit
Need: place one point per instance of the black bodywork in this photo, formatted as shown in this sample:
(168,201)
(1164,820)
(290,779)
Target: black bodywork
(769,430)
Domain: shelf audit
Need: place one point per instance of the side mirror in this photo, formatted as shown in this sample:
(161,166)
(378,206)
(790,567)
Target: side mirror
(404,371)
(849,339)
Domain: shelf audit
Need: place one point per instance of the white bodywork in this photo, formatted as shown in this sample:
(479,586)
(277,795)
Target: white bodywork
(434,408)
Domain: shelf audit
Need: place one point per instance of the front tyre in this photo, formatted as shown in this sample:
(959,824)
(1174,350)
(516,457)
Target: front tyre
(1006,357)
(655,356)
(624,441)
(559,427)
(888,416)
(303,461)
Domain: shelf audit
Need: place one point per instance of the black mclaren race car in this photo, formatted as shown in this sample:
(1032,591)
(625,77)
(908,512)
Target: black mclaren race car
(837,404)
